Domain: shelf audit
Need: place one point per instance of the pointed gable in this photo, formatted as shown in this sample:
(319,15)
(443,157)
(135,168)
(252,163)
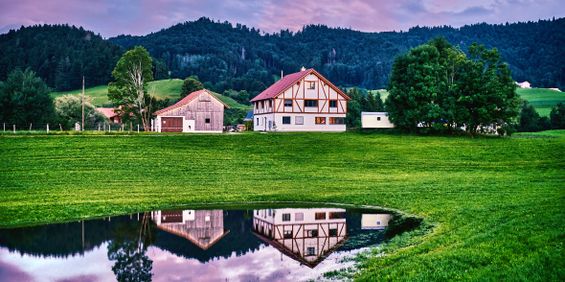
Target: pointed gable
(188,99)
(287,81)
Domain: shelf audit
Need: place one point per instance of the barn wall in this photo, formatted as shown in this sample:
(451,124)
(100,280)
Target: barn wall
(203,107)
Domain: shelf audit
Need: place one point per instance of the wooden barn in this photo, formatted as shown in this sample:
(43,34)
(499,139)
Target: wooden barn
(199,111)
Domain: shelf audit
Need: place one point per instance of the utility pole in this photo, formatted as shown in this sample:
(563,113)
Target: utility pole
(82,100)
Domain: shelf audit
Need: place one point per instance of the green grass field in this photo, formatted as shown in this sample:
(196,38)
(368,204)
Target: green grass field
(542,99)
(163,89)
(494,208)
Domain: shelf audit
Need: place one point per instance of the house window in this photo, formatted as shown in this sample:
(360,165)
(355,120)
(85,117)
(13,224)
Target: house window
(337,120)
(333,103)
(286,120)
(320,215)
(312,233)
(378,118)
(257,121)
(287,102)
(299,120)
(337,215)
(311,85)
(320,120)
(207,120)
(310,103)
(299,216)
(270,103)
(311,251)
(262,104)
(286,217)
(333,232)
(287,234)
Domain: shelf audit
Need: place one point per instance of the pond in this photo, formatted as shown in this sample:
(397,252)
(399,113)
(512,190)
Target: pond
(262,244)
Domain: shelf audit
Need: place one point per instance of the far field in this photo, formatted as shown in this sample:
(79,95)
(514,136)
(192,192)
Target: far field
(163,89)
(542,99)
(493,208)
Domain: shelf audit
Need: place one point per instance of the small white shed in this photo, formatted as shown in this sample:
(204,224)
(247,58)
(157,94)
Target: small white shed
(375,120)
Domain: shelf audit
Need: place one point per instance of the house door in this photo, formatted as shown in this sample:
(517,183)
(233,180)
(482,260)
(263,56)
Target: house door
(171,124)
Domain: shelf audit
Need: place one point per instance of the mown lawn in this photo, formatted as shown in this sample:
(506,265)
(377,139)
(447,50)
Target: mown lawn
(494,208)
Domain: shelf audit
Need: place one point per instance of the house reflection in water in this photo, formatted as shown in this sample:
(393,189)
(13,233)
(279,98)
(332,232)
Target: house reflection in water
(306,235)
(204,228)
(375,221)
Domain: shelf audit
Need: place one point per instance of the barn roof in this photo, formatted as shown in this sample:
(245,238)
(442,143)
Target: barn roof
(107,112)
(286,82)
(189,98)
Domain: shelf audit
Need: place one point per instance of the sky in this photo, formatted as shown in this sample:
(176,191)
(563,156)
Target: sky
(140,17)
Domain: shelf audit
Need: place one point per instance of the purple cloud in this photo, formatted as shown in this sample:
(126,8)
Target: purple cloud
(113,17)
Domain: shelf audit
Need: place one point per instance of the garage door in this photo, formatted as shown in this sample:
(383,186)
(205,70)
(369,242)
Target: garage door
(171,124)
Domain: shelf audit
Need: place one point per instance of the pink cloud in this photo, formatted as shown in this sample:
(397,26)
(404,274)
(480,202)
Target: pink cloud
(111,18)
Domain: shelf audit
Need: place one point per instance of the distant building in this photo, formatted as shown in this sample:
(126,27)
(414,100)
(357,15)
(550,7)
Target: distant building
(375,120)
(524,84)
(375,221)
(302,101)
(204,228)
(110,114)
(199,111)
(306,235)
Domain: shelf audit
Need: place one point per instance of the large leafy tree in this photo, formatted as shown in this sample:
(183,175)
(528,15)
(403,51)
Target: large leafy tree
(414,88)
(68,110)
(129,89)
(24,99)
(487,92)
(189,85)
(435,86)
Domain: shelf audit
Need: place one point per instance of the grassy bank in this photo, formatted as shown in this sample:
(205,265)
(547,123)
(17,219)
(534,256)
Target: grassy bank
(497,204)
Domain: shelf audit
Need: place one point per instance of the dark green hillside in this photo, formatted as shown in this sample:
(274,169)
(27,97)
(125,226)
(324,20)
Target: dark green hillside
(59,54)
(238,57)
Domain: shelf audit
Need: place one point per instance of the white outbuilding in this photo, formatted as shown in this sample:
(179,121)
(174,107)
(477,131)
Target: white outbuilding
(375,120)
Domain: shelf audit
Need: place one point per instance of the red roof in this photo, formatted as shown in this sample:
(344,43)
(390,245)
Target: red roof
(107,112)
(186,100)
(286,82)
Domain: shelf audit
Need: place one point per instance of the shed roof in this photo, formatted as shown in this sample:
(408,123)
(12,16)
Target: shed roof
(107,112)
(286,82)
(189,98)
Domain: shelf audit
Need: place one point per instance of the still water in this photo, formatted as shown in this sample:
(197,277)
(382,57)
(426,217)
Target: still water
(278,244)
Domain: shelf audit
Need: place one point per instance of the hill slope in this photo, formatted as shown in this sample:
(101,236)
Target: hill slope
(542,99)
(237,57)
(60,54)
(163,89)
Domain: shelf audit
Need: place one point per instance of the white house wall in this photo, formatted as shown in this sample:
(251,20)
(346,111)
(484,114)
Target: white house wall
(272,110)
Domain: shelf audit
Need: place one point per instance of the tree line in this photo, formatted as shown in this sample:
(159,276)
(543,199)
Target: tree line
(226,56)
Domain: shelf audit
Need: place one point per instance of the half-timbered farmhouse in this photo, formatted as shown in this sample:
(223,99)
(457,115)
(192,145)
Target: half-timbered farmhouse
(302,101)
(199,111)
(306,235)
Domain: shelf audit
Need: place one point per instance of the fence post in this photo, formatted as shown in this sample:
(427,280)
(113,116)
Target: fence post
(47,128)
(138,128)
(14,129)
(4,127)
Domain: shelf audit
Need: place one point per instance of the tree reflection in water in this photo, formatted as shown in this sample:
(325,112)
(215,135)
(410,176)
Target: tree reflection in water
(129,250)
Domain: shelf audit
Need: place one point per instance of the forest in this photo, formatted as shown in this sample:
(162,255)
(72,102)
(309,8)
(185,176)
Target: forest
(233,56)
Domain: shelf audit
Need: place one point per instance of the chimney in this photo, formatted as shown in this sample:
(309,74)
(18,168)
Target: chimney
(282,74)
(303,68)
